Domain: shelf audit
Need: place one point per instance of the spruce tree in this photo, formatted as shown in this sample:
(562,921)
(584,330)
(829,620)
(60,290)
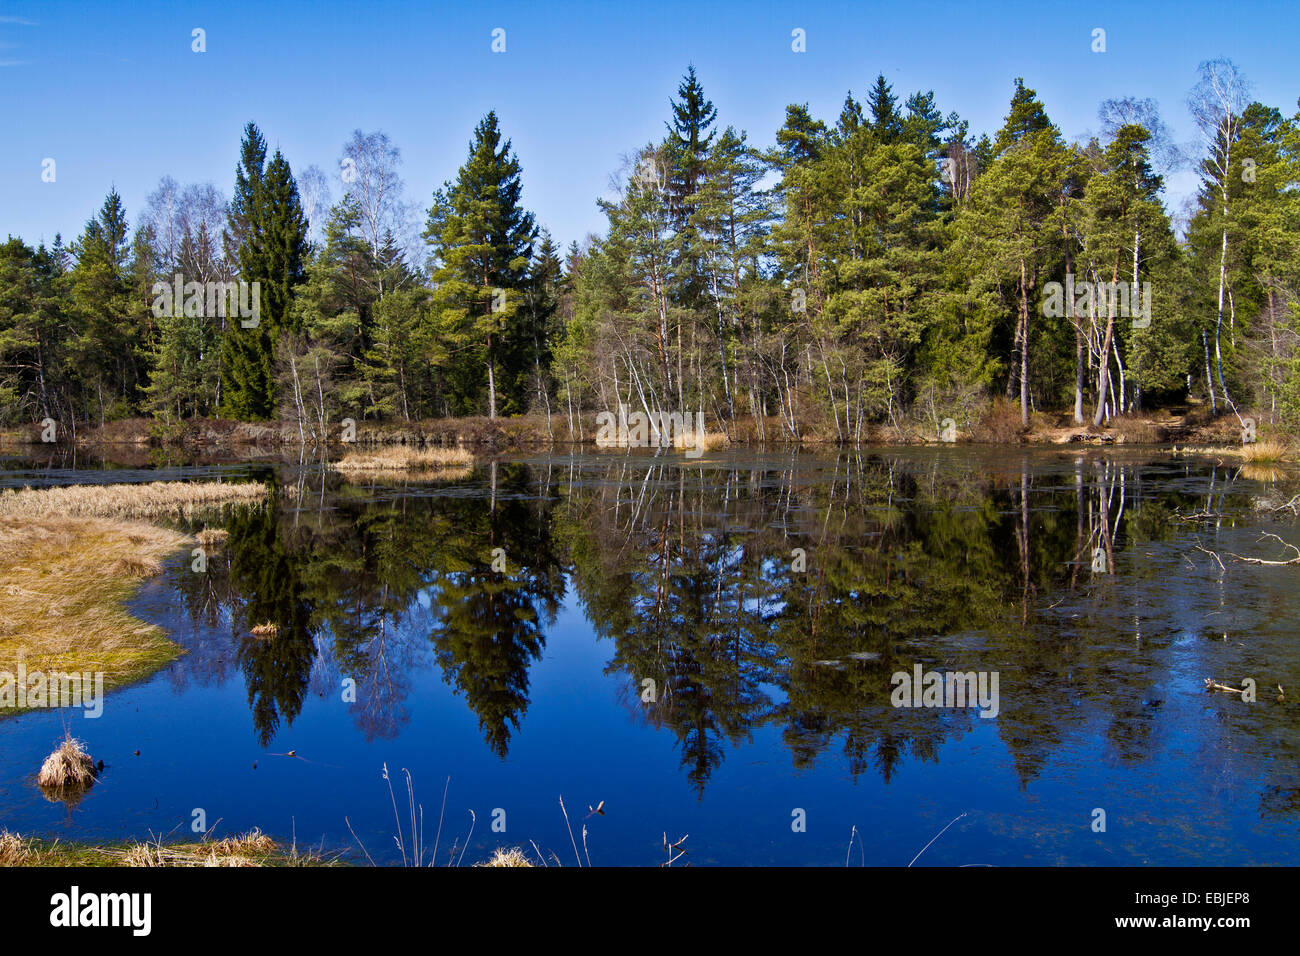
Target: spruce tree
(481,239)
(882,107)
(270,230)
(106,344)
(689,138)
(245,369)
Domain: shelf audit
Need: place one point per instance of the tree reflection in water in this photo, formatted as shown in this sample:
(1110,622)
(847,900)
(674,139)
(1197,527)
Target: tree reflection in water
(775,593)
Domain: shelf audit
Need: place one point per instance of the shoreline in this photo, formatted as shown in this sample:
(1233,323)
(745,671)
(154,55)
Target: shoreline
(72,559)
(1182,426)
(252,849)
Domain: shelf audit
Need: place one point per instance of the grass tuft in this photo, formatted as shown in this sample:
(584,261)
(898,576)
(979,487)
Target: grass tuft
(507,856)
(17,851)
(68,768)
(707,441)
(1263,451)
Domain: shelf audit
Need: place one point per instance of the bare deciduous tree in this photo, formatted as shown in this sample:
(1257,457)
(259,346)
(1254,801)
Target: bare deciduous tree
(368,170)
(1216,103)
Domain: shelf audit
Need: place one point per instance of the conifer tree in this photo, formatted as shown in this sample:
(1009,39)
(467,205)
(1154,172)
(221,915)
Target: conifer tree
(106,342)
(269,233)
(689,138)
(481,240)
(882,108)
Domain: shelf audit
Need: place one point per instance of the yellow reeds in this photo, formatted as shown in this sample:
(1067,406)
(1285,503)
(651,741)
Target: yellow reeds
(157,499)
(440,463)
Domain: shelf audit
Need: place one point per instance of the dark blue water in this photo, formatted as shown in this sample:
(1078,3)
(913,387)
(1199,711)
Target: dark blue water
(772,685)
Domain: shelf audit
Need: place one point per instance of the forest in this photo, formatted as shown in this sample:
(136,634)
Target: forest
(876,272)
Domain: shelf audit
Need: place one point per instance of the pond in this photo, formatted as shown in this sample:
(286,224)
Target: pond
(707,650)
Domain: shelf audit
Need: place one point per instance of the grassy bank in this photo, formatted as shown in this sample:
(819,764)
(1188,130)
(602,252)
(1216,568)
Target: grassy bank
(250,849)
(69,559)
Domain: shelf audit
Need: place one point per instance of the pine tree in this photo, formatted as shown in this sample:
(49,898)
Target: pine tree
(689,138)
(800,140)
(734,217)
(1025,118)
(1008,231)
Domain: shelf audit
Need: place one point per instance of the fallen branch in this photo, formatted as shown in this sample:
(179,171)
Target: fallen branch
(1212,684)
(1290,504)
(1249,560)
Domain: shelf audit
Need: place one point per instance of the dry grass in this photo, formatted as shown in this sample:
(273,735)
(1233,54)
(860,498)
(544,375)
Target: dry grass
(70,556)
(439,463)
(252,849)
(62,583)
(688,441)
(266,631)
(1262,451)
(212,538)
(157,499)
(507,856)
(705,442)
(68,768)
(17,851)
(1134,430)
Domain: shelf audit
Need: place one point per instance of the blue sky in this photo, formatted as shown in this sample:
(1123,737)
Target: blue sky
(115,95)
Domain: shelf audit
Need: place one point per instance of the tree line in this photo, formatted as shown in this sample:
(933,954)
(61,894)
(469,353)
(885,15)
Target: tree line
(888,269)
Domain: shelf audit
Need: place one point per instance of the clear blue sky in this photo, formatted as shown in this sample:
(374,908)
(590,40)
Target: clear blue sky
(114,94)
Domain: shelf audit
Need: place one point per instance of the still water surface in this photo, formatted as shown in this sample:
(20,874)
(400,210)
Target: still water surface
(1071,574)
